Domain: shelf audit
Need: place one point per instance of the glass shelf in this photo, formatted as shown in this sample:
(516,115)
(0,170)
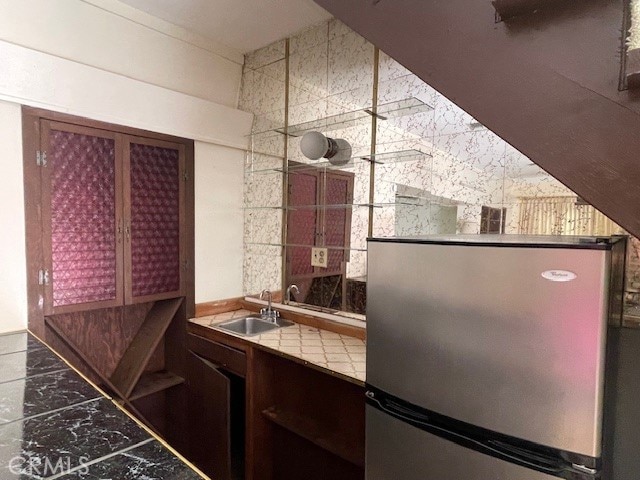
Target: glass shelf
(397,157)
(332,207)
(295,245)
(379,159)
(399,108)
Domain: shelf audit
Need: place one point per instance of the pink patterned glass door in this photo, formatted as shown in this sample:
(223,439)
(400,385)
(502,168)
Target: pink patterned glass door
(337,219)
(155,198)
(80,218)
(302,222)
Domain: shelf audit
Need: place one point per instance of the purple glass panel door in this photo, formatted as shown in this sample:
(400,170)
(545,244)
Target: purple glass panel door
(155,201)
(337,219)
(81,217)
(302,221)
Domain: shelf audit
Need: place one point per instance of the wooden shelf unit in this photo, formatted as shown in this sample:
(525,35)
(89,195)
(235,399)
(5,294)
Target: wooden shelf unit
(315,432)
(114,296)
(155,382)
(136,357)
(130,379)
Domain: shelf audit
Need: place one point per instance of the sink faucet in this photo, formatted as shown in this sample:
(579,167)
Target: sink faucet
(268,313)
(292,288)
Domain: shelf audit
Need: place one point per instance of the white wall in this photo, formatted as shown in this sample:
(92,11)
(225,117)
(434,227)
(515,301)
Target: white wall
(13,279)
(116,38)
(163,92)
(219,175)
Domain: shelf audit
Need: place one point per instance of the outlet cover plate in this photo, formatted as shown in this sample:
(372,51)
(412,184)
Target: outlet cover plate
(319,257)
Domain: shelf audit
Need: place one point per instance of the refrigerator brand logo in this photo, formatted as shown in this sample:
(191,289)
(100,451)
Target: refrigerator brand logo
(559,275)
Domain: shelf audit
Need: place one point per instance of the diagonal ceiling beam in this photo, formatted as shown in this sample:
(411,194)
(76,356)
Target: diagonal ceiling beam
(547,83)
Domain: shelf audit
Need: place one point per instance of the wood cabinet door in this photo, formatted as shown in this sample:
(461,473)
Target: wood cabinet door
(81,218)
(210,414)
(154,210)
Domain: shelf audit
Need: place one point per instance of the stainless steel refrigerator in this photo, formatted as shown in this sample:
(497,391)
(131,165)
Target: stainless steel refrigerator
(487,356)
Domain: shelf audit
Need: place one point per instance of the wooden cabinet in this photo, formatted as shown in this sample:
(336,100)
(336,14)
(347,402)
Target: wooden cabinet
(216,389)
(313,423)
(112,218)
(298,422)
(109,214)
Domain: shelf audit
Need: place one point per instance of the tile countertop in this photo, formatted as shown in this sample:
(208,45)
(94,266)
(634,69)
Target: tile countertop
(339,354)
(55,424)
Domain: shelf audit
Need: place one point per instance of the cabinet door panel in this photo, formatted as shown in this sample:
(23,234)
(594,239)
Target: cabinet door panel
(337,221)
(155,202)
(302,223)
(81,218)
(210,413)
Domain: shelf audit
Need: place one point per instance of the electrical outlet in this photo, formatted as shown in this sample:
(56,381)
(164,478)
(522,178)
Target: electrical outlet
(319,257)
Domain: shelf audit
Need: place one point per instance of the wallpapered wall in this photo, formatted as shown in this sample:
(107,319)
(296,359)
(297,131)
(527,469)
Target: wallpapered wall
(439,162)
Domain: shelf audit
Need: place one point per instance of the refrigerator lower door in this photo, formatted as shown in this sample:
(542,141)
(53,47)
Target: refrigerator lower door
(396,450)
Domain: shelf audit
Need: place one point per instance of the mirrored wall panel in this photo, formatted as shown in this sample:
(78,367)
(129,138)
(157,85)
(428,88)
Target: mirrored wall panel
(417,165)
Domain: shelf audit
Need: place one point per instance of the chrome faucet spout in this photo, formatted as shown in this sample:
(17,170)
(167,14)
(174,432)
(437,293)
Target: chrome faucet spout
(268,313)
(291,288)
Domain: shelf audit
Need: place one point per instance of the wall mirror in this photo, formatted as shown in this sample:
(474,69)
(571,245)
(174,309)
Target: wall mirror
(420,165)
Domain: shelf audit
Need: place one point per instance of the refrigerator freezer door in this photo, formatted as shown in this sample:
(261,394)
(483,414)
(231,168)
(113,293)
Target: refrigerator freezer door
(479,334)
(396,450)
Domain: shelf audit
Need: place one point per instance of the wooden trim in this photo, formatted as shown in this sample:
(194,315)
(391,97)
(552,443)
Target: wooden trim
(188,226)
(112,127)
(33,220)
(315,322)
(239,303)
(218,306)
(221,355)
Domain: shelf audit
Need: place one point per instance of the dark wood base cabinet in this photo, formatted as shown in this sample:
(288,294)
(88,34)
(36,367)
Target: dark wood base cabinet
(259,416)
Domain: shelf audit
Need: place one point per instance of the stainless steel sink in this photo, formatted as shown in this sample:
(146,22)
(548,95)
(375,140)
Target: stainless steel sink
(250,326)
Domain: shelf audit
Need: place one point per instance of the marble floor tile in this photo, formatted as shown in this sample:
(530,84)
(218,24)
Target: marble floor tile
(43,393)
(14,366)
(149,461)
(18,342)
(67,437)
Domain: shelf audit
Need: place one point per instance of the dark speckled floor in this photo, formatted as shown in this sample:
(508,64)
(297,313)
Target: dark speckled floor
(53,424)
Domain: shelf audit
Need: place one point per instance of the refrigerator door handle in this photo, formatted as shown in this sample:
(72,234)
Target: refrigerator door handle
(481,442)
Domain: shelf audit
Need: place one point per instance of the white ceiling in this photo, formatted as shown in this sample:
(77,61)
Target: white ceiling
(245,25)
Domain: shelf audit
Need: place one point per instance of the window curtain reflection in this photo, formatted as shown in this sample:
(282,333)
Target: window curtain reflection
(562,216)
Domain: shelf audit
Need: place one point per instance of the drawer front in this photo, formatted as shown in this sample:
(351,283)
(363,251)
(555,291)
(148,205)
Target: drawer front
(221,355)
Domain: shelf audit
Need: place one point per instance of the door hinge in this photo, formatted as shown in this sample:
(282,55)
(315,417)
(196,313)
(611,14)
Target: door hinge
(41,158)
(185,266)
(43,277)
(185,176)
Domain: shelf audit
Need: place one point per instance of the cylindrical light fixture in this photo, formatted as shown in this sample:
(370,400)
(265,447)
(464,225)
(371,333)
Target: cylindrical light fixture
(315,146)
